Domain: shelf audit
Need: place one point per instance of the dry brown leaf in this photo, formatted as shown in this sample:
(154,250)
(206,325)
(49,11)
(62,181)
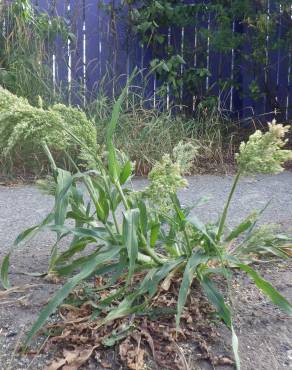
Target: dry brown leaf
(184,363)
(106,365)
(124,347)
(224,360)
(288,249)
(17,289)
(135,360)
(167,281)
(56,364)
(133,357)
(72,359)
(150,342)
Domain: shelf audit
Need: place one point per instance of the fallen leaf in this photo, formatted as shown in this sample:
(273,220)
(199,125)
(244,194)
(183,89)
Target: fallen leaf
(56,364)
(133,357)
(72,359)
(106,365)
(224,360)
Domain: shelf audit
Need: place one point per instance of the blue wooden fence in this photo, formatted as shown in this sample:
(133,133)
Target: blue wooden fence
(101,52)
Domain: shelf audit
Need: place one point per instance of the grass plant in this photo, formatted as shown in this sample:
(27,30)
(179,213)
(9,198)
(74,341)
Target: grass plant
(159,241)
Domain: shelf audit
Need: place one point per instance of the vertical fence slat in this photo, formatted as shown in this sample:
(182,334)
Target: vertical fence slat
(60,50)
(76,16)
(92,48)
(104,50)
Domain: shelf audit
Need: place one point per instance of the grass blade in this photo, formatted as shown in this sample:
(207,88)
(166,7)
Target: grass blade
(125,173)
(4,272)
(267,289)
(217,299)
(143,217)
(188,276)
(154,233)
(64,182)
(32,231)
(114,167)
(58,298)
(130,237)
(242,227)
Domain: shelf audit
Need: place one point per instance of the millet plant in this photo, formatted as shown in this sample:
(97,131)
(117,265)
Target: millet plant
(157,237)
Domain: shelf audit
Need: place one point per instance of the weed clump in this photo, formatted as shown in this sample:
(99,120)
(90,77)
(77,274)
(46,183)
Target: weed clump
(23,129)
(155,243)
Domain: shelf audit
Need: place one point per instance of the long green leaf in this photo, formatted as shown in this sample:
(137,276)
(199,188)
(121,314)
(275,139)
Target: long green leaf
(242,227)
(96,233)
(126,307)
(267,289)
(154,232)
(202,228)
(153,278)
(143,217)
(196,258)
(125,173)
(4,271)
(58,298)
(65,270)
(130,237)
(114,167)
(177,207)
(217,299)
(76,246)
(64,182)
(32,231)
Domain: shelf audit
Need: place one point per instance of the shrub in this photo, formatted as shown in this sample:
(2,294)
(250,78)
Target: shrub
(156,242)
(23,128)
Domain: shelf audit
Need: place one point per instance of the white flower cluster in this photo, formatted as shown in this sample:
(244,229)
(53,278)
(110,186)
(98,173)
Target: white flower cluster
(264,153)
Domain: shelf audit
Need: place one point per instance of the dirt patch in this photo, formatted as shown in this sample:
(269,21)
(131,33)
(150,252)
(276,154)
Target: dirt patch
(265,334)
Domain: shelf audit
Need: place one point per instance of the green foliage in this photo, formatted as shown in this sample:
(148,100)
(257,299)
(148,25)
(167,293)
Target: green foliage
(144,135)
(157,242)
(23,129)
(26,41)
(173,64)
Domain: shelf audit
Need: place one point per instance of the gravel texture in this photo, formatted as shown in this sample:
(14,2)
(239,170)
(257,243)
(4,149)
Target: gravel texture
(265,335)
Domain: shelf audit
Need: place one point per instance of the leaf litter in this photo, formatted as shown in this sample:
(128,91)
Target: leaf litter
(146,340)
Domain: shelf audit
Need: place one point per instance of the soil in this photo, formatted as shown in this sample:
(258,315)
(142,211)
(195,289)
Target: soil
(265,334)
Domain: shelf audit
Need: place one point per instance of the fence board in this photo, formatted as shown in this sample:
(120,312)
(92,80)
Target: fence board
(93,57)
(104,50)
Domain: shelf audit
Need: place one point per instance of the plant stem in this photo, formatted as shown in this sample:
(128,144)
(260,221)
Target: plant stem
(147,249)
(150,251)
(115,222)
(108,190)
(187,241)
(120,190)
(153,255)
(224,214)
(110,232)
(50,157)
